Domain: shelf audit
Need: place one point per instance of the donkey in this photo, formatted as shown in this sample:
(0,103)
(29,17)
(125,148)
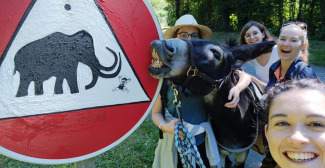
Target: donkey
(207,69)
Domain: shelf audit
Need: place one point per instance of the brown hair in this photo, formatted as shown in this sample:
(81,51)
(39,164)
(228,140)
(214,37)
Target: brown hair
(262,28)
(278,89)
(289,85)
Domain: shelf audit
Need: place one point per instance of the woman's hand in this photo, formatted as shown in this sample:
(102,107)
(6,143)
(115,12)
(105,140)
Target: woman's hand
(170,128)
(234,95)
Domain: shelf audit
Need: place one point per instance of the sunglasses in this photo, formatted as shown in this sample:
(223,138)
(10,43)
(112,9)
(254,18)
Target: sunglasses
(302,25)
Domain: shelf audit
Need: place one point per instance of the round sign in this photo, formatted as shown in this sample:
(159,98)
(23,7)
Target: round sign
(73,76)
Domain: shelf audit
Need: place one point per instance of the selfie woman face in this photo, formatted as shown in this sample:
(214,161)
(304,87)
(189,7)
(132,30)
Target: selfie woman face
(296,129)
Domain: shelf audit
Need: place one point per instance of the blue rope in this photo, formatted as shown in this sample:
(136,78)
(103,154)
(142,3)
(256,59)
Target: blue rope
(186,147)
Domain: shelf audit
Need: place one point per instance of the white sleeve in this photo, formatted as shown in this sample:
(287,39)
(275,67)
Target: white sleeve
(251,62)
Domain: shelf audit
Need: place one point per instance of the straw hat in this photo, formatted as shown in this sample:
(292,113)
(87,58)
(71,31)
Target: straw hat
(188,20)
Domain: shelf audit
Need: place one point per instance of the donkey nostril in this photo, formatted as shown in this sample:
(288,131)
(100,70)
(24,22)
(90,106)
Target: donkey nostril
(170,48)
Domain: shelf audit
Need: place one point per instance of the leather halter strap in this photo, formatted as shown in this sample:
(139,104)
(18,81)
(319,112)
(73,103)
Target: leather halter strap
(194,72)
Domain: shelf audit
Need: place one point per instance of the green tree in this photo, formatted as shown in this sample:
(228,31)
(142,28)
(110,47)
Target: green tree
(159,8)
(231,15)
(299,17)
(322,10)
(280,13)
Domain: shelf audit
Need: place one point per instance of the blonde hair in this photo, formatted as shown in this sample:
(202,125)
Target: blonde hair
(304,53)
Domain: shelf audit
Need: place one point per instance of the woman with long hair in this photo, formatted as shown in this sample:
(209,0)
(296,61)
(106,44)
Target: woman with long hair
(295,130)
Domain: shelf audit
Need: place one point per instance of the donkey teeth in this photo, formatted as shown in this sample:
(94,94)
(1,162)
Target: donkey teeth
(156,63)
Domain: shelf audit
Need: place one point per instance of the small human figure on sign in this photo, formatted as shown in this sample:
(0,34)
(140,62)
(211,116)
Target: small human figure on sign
(123,81)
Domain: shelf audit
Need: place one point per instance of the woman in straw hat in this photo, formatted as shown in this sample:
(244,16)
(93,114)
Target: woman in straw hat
(164,113)
(188,24)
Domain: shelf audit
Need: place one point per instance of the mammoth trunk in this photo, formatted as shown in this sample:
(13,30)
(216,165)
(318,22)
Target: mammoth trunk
(96,69)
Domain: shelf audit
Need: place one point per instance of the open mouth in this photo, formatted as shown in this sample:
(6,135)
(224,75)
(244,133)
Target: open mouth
(158,69)
(300,156)
(156,62)
(286,51)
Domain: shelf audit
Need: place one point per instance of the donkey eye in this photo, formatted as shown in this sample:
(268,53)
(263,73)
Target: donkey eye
(217,55)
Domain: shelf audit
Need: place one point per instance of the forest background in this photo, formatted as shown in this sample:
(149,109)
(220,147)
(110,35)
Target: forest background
(232,15)
(227,17)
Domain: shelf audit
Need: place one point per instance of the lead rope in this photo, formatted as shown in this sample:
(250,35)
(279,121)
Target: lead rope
(185,145)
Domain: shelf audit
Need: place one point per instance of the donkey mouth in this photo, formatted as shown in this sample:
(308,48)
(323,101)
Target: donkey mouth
(158,68)
(156,62)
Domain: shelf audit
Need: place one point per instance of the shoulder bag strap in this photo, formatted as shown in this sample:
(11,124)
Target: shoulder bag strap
(163,96)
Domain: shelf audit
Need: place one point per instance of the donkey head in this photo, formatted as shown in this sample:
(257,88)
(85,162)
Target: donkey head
(174,57)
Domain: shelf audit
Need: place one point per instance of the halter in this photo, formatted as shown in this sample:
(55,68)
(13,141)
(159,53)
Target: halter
(186,145)
(191,73)
(194,72)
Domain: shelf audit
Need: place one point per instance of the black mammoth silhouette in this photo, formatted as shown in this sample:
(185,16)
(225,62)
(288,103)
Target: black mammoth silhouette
(58,55)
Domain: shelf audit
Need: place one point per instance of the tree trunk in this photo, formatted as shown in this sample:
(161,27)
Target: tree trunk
(293,9)
(200,16)
(207,13)
(225,17)
(299,17)
(311,18)
(186,7)
(280,13)
(241,14)
(322,11)
(311,13)
(178,5)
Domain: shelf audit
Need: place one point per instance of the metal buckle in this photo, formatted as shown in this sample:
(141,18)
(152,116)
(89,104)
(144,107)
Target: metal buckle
(194,71)
(174,88)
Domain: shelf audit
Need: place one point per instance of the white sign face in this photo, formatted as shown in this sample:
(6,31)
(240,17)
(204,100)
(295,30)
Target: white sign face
(40,67)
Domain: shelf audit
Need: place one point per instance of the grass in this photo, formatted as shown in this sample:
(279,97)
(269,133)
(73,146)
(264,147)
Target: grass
(317,50)
(134,152)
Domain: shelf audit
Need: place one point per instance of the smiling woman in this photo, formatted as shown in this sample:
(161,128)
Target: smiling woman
(295,127)
(166,155)
(292,47)
(254,32)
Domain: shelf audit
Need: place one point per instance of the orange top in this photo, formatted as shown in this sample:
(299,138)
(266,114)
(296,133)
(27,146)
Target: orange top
(277,73)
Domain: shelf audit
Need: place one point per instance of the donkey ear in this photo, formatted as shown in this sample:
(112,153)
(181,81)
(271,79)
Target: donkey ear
(250,51)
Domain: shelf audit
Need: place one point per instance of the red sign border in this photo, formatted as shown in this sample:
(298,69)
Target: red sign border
(21,157)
